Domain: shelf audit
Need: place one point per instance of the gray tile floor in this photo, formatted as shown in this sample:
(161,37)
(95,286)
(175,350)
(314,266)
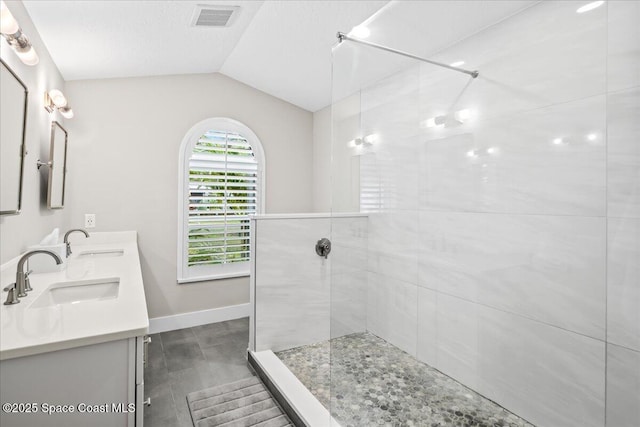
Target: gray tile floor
(189,360)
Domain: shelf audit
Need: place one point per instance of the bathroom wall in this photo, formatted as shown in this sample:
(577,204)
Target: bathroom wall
(300,297)
(123,166)
(504,250)
(322,160)
(623,214)
(35,221)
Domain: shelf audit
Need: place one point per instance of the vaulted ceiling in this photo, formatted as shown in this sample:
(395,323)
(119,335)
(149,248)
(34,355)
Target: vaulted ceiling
(280,47)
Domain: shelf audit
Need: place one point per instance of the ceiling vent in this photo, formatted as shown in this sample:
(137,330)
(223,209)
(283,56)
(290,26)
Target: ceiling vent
(214,16)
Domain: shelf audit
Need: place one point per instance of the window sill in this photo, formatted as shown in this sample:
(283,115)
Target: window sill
(183,280)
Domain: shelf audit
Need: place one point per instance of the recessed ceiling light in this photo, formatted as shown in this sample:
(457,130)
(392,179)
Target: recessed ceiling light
(457,64)
(360,32)
(557,141)
(589,6)
(592,137)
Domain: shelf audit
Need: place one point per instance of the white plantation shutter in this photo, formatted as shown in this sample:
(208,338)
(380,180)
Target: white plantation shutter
(222,190)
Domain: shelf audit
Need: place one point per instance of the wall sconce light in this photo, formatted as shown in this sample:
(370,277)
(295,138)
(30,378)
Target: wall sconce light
(15,37)
(457,118)
(370,139)
(463,115)
(55,100)
(435,121)
(367,140)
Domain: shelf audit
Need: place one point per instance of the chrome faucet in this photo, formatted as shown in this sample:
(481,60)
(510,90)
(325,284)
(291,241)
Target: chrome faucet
(22,278)
(66,238)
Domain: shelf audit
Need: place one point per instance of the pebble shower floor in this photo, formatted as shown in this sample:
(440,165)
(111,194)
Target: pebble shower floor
(375,383)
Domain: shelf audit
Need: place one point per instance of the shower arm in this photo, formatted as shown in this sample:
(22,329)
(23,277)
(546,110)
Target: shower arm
(342,37)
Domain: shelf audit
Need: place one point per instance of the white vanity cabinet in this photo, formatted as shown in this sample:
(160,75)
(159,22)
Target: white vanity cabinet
(80,357)
(97,382)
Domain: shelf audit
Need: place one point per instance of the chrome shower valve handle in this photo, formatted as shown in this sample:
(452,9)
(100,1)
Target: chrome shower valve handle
(323,247)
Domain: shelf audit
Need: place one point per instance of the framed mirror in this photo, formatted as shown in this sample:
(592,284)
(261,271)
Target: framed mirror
(57,166)
(13,123)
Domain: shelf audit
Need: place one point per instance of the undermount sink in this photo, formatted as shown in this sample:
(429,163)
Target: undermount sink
(78,292)
(102,253)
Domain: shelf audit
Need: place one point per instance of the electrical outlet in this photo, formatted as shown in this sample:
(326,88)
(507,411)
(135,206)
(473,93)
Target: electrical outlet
(89,220)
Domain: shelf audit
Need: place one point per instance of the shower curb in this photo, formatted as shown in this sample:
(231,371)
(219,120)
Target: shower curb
(307,411)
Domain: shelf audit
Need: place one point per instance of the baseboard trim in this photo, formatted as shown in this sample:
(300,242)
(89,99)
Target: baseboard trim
(196,318)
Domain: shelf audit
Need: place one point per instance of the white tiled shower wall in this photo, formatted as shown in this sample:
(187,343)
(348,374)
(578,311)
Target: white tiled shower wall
(300,297)
(502,256)
(498,254)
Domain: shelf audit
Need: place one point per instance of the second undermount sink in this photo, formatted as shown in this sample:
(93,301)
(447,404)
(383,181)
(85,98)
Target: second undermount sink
(102,253)
(78,292)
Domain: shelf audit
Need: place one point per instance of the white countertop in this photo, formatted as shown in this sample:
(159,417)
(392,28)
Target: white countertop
(26,330)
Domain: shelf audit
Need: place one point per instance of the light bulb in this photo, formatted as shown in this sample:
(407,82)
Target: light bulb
(463,115)
(8,24)
(355,142)
(57,98)
(430,122)
(66,112)
(28,56)
(437,121)
(360,32)
(589,6)
(370,139)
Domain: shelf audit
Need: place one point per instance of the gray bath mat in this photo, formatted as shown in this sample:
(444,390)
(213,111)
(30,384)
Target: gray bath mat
(240,404)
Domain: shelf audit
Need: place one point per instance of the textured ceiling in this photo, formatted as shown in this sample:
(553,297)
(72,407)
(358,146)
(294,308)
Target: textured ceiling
(287,48)
(280,47)
(102,39)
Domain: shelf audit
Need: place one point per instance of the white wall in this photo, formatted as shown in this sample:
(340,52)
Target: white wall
(322,160)
(123,166)
(336,166)
(20,231)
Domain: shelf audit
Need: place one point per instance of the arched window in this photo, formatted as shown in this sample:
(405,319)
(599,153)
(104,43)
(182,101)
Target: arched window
(221,184)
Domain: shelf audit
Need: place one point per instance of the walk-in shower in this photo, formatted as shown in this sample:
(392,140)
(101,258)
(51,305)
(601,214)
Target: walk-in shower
(484,226)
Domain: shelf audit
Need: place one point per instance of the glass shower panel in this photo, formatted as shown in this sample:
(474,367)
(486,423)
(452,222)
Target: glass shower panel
(374,210)
(475,275)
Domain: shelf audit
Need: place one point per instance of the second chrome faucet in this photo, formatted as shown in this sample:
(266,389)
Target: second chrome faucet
(66,238)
